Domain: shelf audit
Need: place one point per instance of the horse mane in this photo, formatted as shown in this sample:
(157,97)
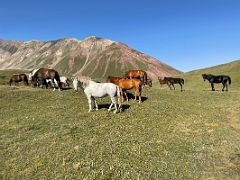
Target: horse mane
(85,82)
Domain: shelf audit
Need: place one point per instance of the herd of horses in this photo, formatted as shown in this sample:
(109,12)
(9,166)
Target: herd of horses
(115,87)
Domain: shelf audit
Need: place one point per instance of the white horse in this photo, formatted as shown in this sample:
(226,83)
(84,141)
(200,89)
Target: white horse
(64,80)
(95,90)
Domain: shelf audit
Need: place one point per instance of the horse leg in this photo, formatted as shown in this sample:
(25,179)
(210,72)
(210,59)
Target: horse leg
(90,104)
(121,93)
(173,86)
(140,96)
(223,86)
(226,86)
(114,102)
(95,102)
(180,85)
(212,85)
(135,94)
(54,83)
(169,85)
(125,93)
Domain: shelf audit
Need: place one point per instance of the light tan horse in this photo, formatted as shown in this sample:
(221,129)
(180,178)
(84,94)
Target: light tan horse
(127,84)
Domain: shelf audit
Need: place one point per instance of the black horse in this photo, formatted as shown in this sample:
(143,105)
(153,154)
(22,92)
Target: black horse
(170,81)
(217,79)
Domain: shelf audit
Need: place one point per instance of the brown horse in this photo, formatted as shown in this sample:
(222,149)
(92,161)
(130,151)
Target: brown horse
(40,77)
(171,81)
(138,74)
(162,81)
(115,80)
(16,78)
(127,84)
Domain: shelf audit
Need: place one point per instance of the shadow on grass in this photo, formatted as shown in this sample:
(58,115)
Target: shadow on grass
(131,96)
(217,90)
(106,106)
(66,88)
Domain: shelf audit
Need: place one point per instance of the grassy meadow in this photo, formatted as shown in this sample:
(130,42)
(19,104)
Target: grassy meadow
(194,134)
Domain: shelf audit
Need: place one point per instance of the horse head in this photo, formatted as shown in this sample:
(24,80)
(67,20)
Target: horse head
(75,84)
(204,77)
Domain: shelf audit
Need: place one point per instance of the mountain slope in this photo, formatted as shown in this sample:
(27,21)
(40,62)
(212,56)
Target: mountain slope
(93,56)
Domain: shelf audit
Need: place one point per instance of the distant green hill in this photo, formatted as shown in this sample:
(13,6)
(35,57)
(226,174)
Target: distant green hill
(194,81)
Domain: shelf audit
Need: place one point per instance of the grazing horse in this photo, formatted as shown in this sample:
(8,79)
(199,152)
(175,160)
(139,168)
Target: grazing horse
(31,74)
(64,80)
(16,78)
(138,74)
(95,90)
(162,81)
(115,80)
(43,74)
(171,81)
(217,79)
(127,84)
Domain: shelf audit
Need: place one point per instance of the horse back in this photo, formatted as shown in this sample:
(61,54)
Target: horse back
(114,80)
(129,83)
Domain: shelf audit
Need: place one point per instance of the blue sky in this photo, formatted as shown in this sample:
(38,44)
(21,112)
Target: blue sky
(186,34)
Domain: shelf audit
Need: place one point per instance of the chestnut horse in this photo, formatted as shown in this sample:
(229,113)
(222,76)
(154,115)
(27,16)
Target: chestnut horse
(16,78)
(127,84)
(138,74)
(162,81)
(115,80)
(43,74)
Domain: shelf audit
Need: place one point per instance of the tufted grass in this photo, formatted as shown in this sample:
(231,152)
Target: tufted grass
(194,134)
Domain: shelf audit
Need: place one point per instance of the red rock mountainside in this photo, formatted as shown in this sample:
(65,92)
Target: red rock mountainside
(93,56)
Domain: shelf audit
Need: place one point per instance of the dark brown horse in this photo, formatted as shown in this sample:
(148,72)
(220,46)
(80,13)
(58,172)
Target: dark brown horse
(138,74)
(16,78)
(40,77)
(127,84)
(171,81)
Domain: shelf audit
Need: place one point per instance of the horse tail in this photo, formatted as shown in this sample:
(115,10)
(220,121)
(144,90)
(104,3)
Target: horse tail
(182,81)
(26,80)
(229,80)
(145,78)
(119,98)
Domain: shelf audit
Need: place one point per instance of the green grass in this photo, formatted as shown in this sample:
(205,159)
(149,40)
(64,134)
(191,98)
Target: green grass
(192,134)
